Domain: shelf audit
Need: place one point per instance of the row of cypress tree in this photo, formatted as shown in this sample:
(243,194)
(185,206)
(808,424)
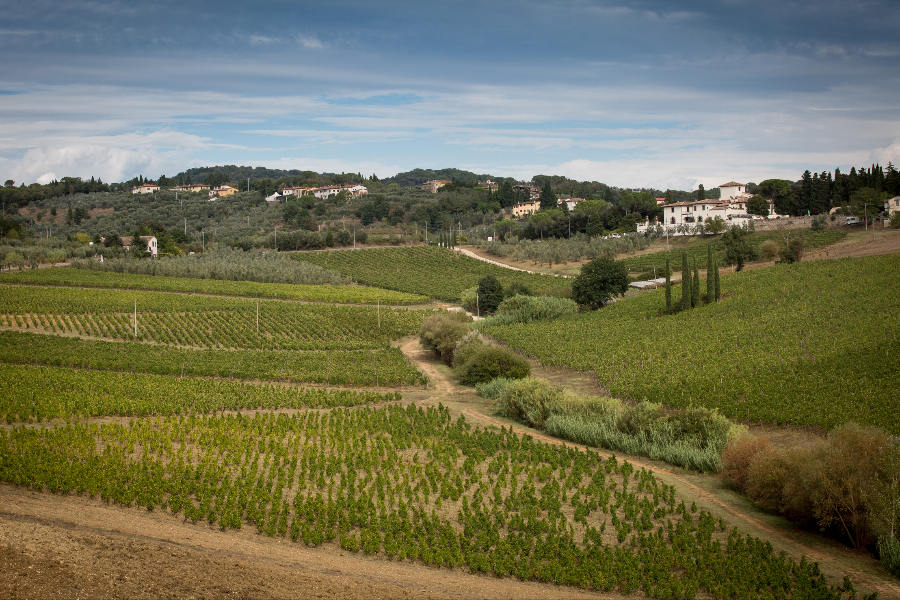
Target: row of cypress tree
(690,283)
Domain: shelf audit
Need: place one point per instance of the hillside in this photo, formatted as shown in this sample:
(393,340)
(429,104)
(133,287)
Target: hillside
(814,343)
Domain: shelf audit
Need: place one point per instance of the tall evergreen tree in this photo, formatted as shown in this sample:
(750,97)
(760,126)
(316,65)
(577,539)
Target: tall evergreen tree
(685,282)
(695,288)
(548,198)
(806,192)
(668,287)
(718,293)
(710,278)
(701,192)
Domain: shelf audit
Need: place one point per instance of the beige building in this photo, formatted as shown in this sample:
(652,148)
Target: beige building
(434,185)
(147,188)
(192,187)
(524,209)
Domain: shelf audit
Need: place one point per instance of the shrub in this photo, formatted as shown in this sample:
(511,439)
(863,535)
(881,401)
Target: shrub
(467,346)
(819,223)
(889,554)
(490,362)
(468,300)
(525,309)
(769,249)
(440,333)
(529,401)
(493,388)
(793,252)
(738,455)
(895,219)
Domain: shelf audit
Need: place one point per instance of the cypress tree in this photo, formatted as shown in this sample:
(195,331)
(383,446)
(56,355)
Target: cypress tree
(695,289)
(668,288)
(685,282)
(718,295)
(710,278)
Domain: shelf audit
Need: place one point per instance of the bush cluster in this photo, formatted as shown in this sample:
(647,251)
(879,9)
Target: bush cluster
(526,309)
(692,437)
(440,333)
(489,362)
(847,484)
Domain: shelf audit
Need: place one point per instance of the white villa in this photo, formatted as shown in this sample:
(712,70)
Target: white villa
(147,188)
(731,207)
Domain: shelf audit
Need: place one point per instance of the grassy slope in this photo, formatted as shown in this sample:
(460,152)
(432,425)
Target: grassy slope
(435,272)
(811,343)
(319,293)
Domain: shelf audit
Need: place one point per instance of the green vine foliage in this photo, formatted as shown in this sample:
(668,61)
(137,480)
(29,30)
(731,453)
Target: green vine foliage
(411,484)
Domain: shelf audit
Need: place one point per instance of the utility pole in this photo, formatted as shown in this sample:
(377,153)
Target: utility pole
(203,239)
(248,184)
(185,226)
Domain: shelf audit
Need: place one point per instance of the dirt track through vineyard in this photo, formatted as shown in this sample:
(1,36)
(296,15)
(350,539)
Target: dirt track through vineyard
(835,559)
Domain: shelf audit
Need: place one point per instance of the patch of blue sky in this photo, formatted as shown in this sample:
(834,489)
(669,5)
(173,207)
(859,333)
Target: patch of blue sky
(380,100)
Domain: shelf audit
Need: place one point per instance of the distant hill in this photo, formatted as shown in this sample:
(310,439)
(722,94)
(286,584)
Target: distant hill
(235,173)
(420,176)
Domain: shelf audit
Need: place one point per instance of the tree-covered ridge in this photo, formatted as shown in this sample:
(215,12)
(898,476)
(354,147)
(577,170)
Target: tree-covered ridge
(420,176)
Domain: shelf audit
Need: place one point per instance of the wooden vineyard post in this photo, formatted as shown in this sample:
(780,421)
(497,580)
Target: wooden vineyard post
(257,317)
(379,314)
(135,318)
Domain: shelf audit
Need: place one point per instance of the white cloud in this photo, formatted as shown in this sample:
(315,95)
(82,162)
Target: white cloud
(46,178)
(309,41)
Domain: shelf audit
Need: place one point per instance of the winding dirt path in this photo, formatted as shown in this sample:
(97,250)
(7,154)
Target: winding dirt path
(708,491)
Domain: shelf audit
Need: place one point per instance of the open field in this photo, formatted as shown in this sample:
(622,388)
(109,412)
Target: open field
(814,343)
(351,294)
(431,271)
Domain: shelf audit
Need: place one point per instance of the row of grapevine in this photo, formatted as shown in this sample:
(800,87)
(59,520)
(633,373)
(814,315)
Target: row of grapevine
(428,270)
(34,393)
(205,322)
(381,366)
(412,484)
(351,294)
(814,343)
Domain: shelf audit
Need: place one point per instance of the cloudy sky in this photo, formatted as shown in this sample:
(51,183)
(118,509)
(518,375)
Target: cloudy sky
(663,94)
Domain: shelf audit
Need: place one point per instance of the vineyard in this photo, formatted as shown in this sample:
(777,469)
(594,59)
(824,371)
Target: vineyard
(646,263)
(408,484)
(428,270)
(43,393)
(350,294)
(204,321)
(379,367)
(814,343)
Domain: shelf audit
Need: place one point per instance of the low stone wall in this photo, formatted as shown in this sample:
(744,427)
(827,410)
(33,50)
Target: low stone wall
(804,222)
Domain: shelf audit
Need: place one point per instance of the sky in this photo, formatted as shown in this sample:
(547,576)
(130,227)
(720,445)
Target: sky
(666,94)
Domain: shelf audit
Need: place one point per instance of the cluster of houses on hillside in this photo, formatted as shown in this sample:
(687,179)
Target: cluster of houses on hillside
(222,191)
(321,193)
